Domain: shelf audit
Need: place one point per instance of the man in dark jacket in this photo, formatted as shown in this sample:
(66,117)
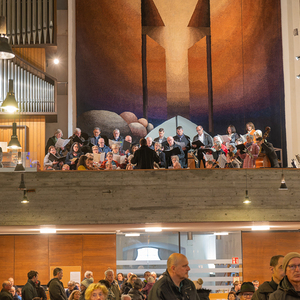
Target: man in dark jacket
(289,286)
(184,142)
(56,287)
(29,291)
(5,294)
(144,157)
(169,152)
(268,149)
(268,287)
(175,283)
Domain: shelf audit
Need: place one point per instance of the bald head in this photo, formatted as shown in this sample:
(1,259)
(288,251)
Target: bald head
(178,267)
(6,285)
(174,260)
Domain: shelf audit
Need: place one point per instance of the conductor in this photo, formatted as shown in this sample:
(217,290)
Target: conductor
(144,157)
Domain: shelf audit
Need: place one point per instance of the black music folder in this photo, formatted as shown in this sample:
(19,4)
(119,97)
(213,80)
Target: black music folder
(198,144)
(56,158)
(241,147)
(126,146)
(174,151)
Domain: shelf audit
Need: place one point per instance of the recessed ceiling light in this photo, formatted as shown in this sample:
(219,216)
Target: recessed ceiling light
(221,233)
(56,61)
(153,229)
(132,234)
(263,227)
(47,230)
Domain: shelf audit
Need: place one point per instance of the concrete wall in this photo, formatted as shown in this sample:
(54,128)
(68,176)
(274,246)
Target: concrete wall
(108,197)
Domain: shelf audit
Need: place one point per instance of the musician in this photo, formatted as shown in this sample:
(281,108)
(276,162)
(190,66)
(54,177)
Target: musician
(250,129)
(267,148)
(232,162)
(96,136)
(54,164)
(161,137)
(171,145)
(182,138)
(204,138)
(77,133)
(232,135)
(102,147)
(144,157)
(218,140)
(52,141)
(252,153)
(117,137)
(160,154)
(150,143)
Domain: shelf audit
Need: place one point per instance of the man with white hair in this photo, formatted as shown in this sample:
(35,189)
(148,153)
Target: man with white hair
(88,274)
(109,276)
(5,292)
(173,149)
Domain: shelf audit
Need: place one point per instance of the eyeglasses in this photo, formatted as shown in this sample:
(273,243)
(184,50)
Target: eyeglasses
(293,267)
(247,295)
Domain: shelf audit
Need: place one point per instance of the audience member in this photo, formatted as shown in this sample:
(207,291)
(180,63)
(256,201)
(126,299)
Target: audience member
(109,276)
(129,284)
(264,290)
(136,291)
(5,292)
(149,285)
(203,294)
(84,285)
(71,287)
(96,291)
(247,290)
(40,290)
(56,287)
(75,295)
(120,279)
(29,289)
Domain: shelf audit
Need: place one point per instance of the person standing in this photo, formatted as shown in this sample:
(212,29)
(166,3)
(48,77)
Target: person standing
(5,292)
(109,276)
(29,290)
(268,287)
(56,287)
(175,283)
(289,286)
(144,157)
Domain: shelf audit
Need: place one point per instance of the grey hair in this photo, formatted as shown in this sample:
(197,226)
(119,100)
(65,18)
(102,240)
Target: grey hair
(88,273)
(107,271)
(57,131)
(177,159)
(96,128)
(116,129)
(77,130)
(71,282)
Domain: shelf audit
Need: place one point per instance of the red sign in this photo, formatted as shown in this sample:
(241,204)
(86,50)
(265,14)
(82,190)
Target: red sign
(235,260)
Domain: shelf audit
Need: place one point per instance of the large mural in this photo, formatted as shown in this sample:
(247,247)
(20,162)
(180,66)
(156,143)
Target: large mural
(142,62)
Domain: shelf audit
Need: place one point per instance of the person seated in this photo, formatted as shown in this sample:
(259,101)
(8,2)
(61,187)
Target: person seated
(251,153)
(171,145)
(54,164)
(175,162)
(218,147)
(209,164)
(232,135)
(150,143)
(160,154)
(76,135)
(109,163)
(73,156)
(81,165)
(161,138)
(65,167)
(232,162)
(130,166)
(52,141)
(102,148)
(134,148)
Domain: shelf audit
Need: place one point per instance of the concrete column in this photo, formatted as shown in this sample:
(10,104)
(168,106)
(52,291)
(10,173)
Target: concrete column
(72,111)
(290,19)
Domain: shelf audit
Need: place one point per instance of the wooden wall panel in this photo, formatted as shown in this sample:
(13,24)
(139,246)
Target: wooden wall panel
(65,250)
(7,254)
(259,247)
(31,253)
(36,135)
(35,56)
(99,254)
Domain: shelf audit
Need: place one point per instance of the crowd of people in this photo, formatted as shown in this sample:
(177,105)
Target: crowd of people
(171,285)
(97,152)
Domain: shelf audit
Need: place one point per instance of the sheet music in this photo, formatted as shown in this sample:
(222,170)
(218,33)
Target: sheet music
(116,157)
(96,157)
(225,138)
(208,157)
(61,143)
(181,144)
(122,159)
(111,142)
(222,160)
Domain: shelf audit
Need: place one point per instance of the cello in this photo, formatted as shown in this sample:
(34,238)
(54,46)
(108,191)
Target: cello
(263,161)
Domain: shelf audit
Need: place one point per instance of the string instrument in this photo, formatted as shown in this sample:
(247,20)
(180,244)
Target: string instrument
(263,161)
